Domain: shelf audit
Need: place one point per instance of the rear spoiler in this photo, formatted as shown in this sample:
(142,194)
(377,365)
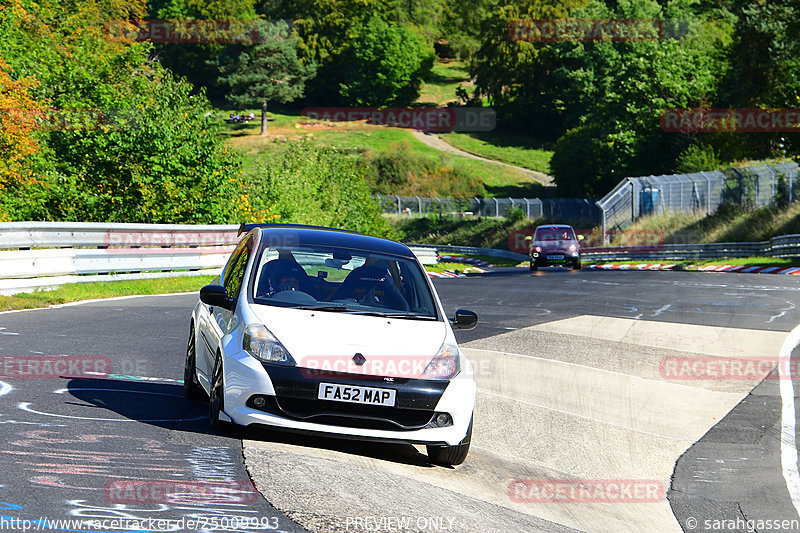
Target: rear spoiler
(244,228)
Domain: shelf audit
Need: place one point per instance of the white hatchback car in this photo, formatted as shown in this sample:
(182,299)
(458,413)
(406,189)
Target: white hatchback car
(331,332)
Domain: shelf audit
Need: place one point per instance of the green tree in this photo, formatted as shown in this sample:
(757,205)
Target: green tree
(385,65)
(268,70)
(135,145)
(190,60)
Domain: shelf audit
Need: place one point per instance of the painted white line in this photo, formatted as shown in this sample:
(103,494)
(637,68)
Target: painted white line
(788,416)
(5,388)
(82,302)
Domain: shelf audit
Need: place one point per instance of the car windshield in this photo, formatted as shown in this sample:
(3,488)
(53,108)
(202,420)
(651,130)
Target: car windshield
(555,234)
(342,280)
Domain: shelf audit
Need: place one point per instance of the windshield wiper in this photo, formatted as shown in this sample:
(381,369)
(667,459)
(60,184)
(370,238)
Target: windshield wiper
(412,316)
(335,308)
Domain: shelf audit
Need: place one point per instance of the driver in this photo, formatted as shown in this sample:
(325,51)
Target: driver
(286,278)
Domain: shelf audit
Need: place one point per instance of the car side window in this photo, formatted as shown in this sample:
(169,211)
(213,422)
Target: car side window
(234,271)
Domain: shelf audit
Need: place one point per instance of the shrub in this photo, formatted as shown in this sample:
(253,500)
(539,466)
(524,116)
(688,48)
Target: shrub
(696,158)
(397,170)
(311,184)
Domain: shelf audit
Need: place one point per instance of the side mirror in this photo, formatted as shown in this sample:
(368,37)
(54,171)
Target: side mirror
(581,237)
(529,238)
(217,296)
(464,319)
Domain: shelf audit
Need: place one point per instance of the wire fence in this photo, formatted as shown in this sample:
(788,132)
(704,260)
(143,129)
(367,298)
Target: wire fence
(749,187)
(698,192)
(558,209)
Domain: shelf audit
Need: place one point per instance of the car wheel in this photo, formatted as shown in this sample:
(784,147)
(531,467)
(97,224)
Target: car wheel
(216,399)
(576,265)
(533,267)
(191,388)
(451,455)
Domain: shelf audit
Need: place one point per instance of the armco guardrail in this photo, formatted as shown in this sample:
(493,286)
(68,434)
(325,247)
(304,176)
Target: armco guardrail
(47,254)
(491,252)
(783,246)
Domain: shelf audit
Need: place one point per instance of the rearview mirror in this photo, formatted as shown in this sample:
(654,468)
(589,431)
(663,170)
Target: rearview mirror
(464,319)
(217,296)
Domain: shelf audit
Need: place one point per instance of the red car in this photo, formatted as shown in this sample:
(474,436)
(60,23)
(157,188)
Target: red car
(555,244)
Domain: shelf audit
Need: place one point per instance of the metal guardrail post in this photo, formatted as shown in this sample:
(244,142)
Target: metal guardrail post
(708,192)
(527,208)
(440,206)
(399,207)
(772,171)
(419,206)
(496,208)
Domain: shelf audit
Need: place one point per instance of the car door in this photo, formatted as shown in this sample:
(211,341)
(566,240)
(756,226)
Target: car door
(218,320)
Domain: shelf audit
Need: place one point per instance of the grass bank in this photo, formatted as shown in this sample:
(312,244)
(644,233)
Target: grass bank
(507,148)
(73,292)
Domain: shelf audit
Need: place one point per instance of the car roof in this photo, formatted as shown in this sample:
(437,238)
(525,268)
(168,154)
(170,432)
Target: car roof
(554,226)
(299,235)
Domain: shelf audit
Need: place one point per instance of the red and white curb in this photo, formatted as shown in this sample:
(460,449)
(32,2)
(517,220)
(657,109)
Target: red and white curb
(643,266)
(445,275)
(748,269)
(738,269)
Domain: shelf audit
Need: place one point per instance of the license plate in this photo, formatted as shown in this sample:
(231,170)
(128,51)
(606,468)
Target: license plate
(555,257)
(354,394)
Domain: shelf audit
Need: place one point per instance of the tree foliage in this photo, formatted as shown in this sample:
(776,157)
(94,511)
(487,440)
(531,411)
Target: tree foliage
(19,114)
(311,184)
(143,148)
(384,66)
(267,70)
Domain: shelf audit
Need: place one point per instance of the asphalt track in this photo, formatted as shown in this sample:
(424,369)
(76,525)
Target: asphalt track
(572,390)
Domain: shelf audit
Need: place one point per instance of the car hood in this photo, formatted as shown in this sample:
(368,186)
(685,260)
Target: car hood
(330,340)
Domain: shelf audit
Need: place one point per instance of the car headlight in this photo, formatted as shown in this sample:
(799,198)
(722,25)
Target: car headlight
(538,248)
(444,365)
(262,344)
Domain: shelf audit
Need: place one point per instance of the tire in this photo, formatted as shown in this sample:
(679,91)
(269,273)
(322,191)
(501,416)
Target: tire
(576,265)
(451,455)
(216,399)
(533,267)
(191,388)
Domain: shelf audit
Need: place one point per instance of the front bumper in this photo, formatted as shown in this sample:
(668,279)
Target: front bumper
(554,258)
(292,404)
